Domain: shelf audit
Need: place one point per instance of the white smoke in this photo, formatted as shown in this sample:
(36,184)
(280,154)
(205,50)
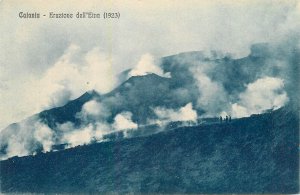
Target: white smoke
(74,73)
(44,135)
(95,110)
(94,130)
(26,138)
(65,127)
(93,116)
(17,140)
(84,135)
(213,96)
(123,121)
(79,137)
(147,65)
(185,113)
(265,93)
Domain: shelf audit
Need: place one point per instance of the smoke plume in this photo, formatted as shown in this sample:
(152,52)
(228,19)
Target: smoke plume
(185,113)
(265,93)
(147,65)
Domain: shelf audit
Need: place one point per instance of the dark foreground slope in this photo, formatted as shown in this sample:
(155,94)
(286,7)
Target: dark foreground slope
(258,154)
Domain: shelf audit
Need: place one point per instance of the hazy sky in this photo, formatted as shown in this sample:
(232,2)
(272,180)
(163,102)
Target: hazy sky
(35,52)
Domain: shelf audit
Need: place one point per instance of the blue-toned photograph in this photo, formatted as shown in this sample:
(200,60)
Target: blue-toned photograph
(149,97)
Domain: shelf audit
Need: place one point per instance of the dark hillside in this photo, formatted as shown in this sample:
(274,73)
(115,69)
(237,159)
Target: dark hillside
(68,111)
(258,154)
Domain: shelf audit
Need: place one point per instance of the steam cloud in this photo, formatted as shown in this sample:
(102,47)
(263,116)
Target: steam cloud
(74,73)
(27,137)
(94,110)
(185,113)
(95,124)
(147,65)
(212,94)
(265,93)
(85,135)
(123,121)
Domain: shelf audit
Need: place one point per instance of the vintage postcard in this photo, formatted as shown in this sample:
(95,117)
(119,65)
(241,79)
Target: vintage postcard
(159,97)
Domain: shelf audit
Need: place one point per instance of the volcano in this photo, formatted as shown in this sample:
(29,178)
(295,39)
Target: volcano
(156,134)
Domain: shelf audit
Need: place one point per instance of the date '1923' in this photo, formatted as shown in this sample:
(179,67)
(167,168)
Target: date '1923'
(111,15)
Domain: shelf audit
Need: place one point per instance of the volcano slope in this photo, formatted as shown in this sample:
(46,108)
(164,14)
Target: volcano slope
(258,154)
